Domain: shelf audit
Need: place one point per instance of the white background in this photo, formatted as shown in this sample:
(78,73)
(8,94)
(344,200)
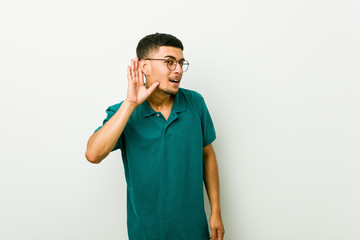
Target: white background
(280,78)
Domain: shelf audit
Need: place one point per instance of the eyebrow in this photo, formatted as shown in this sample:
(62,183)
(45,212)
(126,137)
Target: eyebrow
(174,57)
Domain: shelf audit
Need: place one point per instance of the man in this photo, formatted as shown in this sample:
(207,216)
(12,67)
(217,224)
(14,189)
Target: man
(165,135)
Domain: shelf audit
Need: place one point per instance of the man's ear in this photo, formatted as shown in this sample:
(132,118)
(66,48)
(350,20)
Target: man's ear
(144,67)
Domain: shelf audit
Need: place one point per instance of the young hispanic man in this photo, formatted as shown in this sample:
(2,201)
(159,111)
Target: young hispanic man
(165,135)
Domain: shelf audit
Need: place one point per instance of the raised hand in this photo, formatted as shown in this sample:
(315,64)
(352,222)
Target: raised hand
(137,92)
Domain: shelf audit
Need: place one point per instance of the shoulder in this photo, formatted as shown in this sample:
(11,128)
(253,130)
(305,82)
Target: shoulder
(114,108)
(192,95)
(194,100)
(111,110)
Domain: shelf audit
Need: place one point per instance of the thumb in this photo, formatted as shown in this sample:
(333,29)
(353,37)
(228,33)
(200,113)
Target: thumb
(152,87)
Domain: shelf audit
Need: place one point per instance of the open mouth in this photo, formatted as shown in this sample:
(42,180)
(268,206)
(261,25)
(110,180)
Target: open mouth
(174,80)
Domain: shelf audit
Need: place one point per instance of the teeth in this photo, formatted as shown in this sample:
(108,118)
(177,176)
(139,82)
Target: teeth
(174,80)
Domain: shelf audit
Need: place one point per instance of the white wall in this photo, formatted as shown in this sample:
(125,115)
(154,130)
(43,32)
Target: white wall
(281,79)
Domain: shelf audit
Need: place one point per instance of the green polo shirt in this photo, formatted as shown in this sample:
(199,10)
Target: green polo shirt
(163,162)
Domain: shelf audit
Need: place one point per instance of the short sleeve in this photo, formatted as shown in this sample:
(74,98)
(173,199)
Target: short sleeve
(110,111)
(208,129)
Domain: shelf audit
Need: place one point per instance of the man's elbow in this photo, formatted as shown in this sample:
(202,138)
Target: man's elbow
(93,158)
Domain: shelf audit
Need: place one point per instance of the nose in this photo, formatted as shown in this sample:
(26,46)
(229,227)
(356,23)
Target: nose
(178,68)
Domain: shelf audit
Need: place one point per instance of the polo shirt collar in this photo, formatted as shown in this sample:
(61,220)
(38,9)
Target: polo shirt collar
(178,105)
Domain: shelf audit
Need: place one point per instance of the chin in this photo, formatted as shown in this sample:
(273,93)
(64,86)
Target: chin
(170,91)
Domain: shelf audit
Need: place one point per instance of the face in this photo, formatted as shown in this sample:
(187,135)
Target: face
(158,71)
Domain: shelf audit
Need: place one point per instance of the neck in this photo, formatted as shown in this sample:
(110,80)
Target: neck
(159,100)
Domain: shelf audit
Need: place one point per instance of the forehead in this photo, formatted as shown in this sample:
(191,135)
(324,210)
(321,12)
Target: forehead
(169,51)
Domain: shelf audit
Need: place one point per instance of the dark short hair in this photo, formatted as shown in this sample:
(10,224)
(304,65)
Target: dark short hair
(152,42)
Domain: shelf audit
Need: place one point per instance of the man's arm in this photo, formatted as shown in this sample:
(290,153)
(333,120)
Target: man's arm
(103,141)
(211,180)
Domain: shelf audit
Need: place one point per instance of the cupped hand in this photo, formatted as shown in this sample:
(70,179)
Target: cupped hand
(137,92)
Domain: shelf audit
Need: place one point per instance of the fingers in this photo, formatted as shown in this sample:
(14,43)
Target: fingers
(140,74)
(220,234)
(135,70)
(129,77)
(135,74)
(213,234)
(132,71)
(217,234)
